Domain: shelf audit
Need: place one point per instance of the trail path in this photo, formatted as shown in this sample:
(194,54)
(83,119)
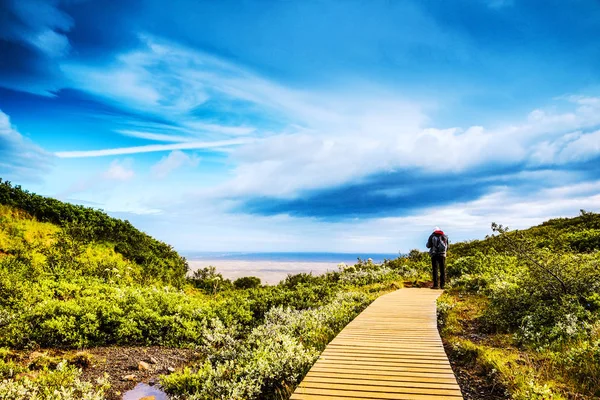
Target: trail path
(392,350)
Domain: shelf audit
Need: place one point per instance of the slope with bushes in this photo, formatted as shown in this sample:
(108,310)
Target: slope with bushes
(524,308)
(82,225)
(74,278)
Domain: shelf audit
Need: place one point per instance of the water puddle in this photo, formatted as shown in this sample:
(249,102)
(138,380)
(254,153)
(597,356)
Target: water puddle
(142,390)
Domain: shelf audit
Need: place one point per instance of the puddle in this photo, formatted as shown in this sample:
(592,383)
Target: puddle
(142,390)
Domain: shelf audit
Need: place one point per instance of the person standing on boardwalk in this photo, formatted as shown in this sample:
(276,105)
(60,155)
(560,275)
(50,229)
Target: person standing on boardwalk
(438,245)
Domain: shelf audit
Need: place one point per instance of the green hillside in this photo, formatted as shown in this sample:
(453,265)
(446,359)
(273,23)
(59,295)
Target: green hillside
(50,236)
(73,278)
(524,309)
(522,312)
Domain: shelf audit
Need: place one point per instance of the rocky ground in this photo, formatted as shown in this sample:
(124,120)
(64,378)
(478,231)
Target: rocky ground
(126,366)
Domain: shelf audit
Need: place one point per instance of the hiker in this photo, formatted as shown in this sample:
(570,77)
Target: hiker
(437,245)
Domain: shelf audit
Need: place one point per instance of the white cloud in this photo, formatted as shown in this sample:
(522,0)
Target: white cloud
(50,42)
(150,148)
(106,183)
(462,221)
(282,165)
(119,171)
(228,130)
(323,139)
(583,148)
(176,159)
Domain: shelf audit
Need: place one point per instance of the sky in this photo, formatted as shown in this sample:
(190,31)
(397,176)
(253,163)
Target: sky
(309,125)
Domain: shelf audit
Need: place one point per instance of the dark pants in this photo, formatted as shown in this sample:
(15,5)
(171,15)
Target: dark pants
(439,262)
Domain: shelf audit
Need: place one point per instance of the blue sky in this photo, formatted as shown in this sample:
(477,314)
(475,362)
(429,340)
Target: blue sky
(304,125)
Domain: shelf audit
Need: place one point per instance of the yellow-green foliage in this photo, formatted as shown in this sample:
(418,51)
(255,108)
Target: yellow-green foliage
(23,237)
(60,383)
(542,297)
(526,376)
(542,374)
(81,225)
(19,232)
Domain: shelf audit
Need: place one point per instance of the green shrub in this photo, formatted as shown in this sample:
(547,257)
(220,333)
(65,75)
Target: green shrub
(210,281)
(247,282)
(271,360)
(83,225)
(584,241)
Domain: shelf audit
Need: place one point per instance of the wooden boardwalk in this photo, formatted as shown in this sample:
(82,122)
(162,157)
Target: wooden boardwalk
(392,350)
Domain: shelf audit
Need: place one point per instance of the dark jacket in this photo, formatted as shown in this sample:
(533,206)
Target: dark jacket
(430,246)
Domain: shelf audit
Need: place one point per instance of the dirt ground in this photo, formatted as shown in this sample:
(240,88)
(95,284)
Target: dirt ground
(472,385)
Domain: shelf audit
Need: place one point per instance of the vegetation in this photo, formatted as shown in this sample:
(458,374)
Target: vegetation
(157,260)
(524,308)
(72,277)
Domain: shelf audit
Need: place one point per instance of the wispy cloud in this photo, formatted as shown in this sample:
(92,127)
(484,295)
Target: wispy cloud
(178,82)
(325,144)
(371,174)
(151,148)
(119,171)
(228,130)
(20,159)
(39,24)
(324,140)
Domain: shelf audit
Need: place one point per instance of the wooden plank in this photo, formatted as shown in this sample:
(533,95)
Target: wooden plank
(427,358)
(422,376)
(391,351)
(384,383)
(383,361)
(383,351)
(377,389)
(373,395)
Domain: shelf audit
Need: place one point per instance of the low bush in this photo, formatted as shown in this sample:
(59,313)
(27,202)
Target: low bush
(271,360)
(60,383)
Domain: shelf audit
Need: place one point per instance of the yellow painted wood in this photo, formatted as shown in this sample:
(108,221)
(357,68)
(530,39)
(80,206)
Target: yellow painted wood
(391,351)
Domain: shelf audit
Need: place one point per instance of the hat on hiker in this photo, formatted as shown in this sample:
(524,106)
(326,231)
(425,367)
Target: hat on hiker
(437,228)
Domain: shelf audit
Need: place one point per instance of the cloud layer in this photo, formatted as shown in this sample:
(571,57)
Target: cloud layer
(273,122)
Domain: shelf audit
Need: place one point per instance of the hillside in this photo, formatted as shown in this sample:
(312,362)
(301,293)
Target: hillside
(523,315)
(79,289)
(41,232)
